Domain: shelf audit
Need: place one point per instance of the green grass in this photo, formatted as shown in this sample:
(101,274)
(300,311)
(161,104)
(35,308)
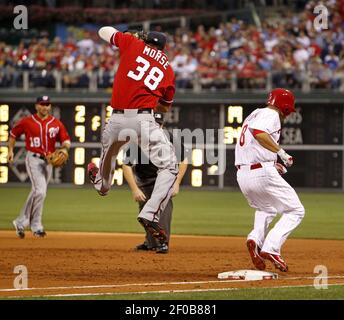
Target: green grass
(296,293)
(195,212)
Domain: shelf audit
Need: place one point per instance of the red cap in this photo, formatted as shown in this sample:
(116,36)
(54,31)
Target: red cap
(282,99)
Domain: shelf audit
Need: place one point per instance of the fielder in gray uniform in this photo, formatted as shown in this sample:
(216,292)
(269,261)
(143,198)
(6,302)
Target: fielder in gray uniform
(41,131)
(141,177)
(144,82)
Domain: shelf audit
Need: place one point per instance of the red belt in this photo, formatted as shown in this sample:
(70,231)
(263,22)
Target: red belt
(253,166)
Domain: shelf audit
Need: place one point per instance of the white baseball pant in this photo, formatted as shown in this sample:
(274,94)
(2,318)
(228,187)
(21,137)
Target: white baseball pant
(268,193)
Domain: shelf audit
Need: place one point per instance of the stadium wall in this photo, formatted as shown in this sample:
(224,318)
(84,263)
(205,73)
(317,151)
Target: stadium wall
(314,135)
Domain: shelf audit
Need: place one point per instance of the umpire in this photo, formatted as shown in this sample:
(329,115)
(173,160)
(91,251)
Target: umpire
(141,175)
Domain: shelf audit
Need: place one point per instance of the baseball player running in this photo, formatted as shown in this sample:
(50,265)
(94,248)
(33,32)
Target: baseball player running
(141,177)
(144,81)
(259,178)
(41,132)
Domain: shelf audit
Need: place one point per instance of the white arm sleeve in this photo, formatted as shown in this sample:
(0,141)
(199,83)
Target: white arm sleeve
(106,33)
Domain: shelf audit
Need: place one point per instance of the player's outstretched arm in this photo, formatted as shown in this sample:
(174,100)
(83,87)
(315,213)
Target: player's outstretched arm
(106,33)
(138,195)
(266,141)
(182,170)
(11,144)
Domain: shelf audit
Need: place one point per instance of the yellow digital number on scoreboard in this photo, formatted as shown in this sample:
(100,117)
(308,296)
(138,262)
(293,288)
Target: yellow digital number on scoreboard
(196,178)
(80,130)
(4,132)
(95,123)
(4,113)
(3,174)
(79,176)
(235,114)
(108,113)
(235,117)
(80,133)
(79,156)
(197,157)
(80,112)
(3,155)
(231,135)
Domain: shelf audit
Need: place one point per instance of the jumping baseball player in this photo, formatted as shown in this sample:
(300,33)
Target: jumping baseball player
(141,177)
(259,178)
(144,82)
(41,131)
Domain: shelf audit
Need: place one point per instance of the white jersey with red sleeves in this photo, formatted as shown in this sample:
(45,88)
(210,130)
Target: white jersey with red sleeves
(248,150)
(40,135)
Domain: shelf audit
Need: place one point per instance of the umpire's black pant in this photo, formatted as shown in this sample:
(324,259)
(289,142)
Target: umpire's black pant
(165,217)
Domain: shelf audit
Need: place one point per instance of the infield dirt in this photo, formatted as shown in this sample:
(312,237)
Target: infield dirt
(65,263)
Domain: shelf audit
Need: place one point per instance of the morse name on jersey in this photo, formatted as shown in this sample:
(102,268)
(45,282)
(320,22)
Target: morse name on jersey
(157,55)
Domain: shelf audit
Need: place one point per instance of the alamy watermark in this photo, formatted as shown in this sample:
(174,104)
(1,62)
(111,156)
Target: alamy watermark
(321,20)
(21,21)
(21,281)
(197,146)
(321,280)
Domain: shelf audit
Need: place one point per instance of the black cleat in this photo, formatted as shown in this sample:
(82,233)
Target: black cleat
(40,234)
(162,249)
(103,194)
(154,229)
(144,247)
(19,231)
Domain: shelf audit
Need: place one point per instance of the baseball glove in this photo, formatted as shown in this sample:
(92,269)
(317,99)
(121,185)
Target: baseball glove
(58,158)
(138,34)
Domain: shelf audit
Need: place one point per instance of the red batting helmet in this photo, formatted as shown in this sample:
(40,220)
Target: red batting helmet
(282,99)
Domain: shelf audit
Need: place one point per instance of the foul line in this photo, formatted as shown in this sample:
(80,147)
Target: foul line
(161,284)
(166,291)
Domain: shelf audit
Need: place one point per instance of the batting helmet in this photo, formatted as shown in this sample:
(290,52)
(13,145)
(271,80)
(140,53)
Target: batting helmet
(282,99)
(157,39)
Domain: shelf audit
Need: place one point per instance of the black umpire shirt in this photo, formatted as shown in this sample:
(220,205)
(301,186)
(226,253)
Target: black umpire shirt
(144,170)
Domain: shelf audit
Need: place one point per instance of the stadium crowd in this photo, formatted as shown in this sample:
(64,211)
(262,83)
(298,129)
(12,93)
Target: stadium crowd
(288,50)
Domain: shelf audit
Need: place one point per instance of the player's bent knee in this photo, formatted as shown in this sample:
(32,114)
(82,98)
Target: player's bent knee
(300,211)
(40,194)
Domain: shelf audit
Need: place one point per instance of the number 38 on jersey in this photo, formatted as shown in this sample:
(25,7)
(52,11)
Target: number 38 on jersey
(152,76)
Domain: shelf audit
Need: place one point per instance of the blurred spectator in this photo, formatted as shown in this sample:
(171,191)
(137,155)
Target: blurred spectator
(286,50)
(184,66)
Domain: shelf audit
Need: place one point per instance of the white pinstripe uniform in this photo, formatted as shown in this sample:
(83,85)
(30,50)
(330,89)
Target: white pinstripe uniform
(262,185)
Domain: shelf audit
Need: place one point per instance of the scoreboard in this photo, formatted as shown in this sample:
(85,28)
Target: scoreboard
(313,135)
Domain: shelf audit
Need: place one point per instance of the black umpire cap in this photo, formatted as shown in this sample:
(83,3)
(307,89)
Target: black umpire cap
(43,99)
(157,39)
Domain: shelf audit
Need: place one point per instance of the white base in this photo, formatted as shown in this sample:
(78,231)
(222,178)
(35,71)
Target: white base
(248,275)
